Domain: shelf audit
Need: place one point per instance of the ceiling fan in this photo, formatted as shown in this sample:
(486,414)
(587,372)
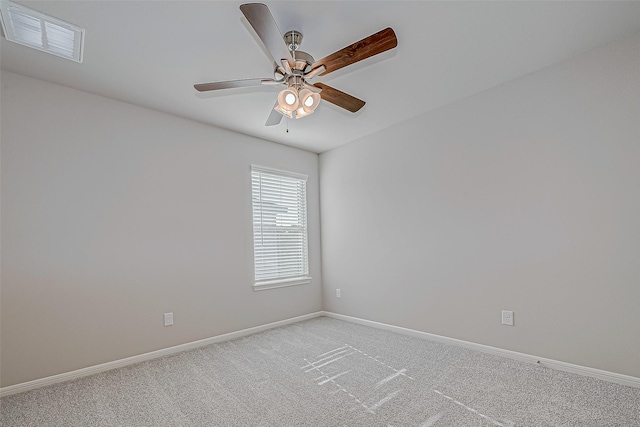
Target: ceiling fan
(294,68)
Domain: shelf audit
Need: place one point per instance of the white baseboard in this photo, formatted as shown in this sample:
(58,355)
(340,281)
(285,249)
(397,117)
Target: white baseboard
(550,363)
(91,370)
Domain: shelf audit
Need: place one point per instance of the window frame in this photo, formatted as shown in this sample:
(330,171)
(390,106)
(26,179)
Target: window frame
(282,281)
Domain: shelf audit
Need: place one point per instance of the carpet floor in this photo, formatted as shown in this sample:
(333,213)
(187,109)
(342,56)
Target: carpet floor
(326,372)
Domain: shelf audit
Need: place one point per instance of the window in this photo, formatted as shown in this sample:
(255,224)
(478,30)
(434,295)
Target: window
(279,228)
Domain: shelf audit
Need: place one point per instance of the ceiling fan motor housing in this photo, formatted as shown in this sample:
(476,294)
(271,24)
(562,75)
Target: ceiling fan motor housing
(303,60)
(303,65)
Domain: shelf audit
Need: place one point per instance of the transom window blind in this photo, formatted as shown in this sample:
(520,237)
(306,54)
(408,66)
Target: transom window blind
(279,227)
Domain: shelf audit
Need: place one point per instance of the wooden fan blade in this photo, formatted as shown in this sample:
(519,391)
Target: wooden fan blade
(265,26)
(363,49)
(341,99)
(230,84)
(274,117)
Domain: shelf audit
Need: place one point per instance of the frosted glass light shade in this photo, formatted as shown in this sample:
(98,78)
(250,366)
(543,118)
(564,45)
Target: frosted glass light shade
(284,112)
(288,99)
(309,100)
(300,113)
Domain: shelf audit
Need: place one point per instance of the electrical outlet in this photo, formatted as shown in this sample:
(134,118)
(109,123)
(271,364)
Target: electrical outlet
(507,317)
(338,293)
(168,319)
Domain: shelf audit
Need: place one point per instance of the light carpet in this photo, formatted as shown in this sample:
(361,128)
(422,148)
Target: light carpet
(327,372)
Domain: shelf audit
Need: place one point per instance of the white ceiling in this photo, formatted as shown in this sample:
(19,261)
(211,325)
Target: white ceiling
(150,53)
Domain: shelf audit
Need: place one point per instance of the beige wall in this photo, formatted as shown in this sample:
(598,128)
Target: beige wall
(525,197)
(114,214)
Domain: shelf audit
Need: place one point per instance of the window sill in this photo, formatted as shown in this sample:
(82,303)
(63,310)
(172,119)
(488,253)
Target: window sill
(281,283)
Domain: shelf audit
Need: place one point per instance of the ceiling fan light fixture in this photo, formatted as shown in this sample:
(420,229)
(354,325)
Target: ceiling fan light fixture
(284,112)
(301,112)
(288,99)
(309,100)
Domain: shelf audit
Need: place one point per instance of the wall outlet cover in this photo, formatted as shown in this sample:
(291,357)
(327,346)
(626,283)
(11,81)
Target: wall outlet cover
(507,317)
(168,319)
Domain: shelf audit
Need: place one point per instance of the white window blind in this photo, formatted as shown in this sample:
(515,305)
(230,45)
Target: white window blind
(279,228)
